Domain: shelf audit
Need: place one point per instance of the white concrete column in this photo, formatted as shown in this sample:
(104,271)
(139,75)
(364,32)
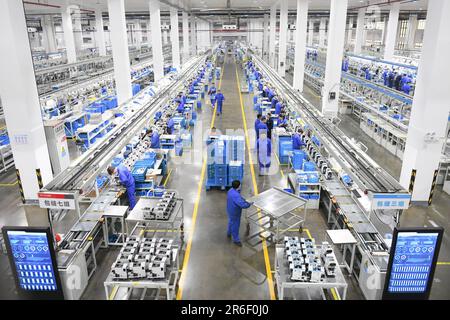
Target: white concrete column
(323,26)
(265,36)
(119,44)
(175,37)
(273,28)
(430,107)
(194,35)
(412,28)
(199,36)
(49,33)
(20,100)
(391,34)
(335,50)
(186,50)
(383,33)
(350,31)
(165,37)
(77,30)
(99,33)
(300,44)
(283,38)
(138,34)
(155,21)
(69,40)
(311,33)
(259,34)
(360,30)
(149,34)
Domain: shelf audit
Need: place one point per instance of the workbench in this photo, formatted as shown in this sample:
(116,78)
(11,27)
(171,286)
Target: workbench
(296,290)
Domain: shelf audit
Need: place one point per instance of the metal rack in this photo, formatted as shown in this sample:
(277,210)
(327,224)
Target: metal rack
(151,289)
(288,289)
(277,212)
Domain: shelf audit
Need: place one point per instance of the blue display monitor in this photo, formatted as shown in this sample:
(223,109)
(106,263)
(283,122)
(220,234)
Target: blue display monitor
(32,260)
(412,261)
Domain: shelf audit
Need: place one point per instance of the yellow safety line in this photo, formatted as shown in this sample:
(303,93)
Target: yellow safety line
(334,294)
(255,188)
(9,184)
(308,233)
(113,293)
(167,178)
(279,165)
(195,212)
(443,263)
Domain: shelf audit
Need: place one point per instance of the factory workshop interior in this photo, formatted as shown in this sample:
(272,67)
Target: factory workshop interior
(227,150)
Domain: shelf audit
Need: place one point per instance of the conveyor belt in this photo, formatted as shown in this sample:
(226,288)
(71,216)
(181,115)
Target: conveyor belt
(373,177)
(75,177)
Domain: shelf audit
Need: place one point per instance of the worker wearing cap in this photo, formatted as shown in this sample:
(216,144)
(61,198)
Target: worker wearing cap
(220,99)
(126,179)
(235,204)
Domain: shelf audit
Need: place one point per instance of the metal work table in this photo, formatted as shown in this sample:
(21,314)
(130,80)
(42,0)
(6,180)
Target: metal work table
(126,289)
(283,281)
(132,289)
(345,238)
(173,226)
(277,212)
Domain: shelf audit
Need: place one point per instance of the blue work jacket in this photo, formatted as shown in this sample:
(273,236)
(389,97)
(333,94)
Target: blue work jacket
(235,203)
(125,176)
(155,141)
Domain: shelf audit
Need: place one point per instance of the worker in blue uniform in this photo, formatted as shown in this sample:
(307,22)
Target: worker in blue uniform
(257,121)
(126,179)
(386,77)
(220,98)
(154,139)
(297,142)
(212,95)
(278,107)
(217,73)
(282,121)
(170,125)
(180,107)
(261,127)
(264,148)
(235,204)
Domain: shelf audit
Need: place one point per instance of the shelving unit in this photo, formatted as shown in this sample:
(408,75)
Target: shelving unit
(91,132)
(310,189)
(75,122)
(6,158)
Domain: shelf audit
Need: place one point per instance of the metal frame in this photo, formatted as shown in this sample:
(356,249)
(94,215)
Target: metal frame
(270,225)
(283,282)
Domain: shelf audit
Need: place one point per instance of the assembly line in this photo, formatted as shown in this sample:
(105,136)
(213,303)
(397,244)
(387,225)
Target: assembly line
(174,151)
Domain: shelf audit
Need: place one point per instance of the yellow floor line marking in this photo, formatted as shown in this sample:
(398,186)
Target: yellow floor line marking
(279,165)
(113,293)
(9,184)
(307,232)
(167,178)
(195,213)
(443,263)
(255,188)
(334,294)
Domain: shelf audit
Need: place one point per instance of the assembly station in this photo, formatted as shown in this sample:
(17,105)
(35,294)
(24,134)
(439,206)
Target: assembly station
(224,150)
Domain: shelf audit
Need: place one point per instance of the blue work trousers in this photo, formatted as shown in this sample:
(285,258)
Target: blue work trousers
(234,222)
(219,107)
(131,196)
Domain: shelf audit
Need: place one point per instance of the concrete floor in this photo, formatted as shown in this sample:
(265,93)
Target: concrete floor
(217,269)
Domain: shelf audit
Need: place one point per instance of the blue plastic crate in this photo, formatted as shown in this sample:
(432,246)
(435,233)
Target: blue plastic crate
(221,170)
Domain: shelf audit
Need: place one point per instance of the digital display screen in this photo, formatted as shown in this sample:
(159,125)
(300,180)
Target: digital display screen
(412,262)
(33,260)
